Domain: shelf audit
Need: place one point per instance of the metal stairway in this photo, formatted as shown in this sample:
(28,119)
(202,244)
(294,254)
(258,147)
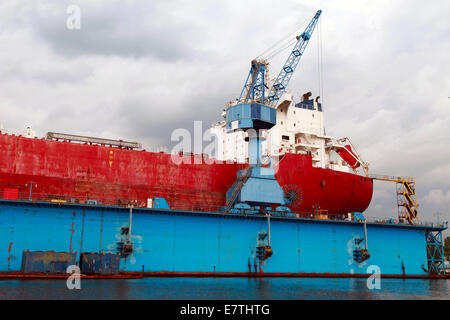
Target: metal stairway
(236,189)
(406,196)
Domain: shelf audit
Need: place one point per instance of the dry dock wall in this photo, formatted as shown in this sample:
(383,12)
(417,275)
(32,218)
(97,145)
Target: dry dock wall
(168,241)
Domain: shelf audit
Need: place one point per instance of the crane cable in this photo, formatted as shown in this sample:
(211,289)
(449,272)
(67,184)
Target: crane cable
(274,50)
(289,44)
(320,60)
(290,37)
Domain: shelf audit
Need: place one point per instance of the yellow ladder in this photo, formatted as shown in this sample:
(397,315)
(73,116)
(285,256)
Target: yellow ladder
(406,200)
(406,196)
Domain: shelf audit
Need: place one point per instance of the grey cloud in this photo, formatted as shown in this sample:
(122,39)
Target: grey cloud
(134,29)
(138,70)
(155,120)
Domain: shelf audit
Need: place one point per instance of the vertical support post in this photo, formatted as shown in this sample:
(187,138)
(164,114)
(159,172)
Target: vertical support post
(365,233)
(130,223)
(254,152)
(31,189)
(255,139)
(101,232)
(82,232)
(268,228)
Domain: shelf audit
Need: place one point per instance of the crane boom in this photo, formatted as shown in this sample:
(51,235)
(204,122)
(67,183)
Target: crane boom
(291,63)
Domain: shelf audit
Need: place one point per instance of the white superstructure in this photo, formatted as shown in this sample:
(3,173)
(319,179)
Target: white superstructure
(299,129)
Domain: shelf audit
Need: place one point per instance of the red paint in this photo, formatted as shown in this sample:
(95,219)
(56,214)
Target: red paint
(86,172)
(11,194)
(333,191)
(349,156)
(9,256)
(30,276)
(139,275)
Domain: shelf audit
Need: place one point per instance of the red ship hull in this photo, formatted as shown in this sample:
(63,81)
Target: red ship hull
(116,176)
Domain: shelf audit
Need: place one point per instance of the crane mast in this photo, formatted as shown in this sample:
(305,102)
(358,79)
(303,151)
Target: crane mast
(254,88)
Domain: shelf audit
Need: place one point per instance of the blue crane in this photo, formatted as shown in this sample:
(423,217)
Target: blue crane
(256,188)
(282,81)
(254,88)
(255,84)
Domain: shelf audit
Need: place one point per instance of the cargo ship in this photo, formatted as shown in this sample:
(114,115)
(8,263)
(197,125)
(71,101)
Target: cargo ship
(280,198)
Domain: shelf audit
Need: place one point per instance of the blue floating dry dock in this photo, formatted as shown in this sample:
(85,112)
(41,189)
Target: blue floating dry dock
(168,242)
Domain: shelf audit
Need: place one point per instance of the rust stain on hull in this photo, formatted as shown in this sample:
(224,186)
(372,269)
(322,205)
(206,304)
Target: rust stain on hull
(140,275)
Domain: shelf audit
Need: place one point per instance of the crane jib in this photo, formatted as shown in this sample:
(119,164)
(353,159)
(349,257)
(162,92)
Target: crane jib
(288,69)
(256,81)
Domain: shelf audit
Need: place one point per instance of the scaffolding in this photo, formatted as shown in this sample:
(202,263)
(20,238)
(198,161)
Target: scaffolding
(435,252)
(406,197)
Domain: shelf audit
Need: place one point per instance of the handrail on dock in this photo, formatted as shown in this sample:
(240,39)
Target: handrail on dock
(109,201)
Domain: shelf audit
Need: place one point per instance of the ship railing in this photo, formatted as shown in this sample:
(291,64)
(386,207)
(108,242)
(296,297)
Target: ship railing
(438,224)
(104,200)
(13,194)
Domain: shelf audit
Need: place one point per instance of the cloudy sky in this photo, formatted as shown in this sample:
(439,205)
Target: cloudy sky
(137,70)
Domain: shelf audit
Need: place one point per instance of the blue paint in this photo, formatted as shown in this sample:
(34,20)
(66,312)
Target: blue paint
(46,261)
(257,185)
(250,115)
(160,203)
(358,216)
(165,240)
(308,105)
(261,188)
(96,263)
(254,87)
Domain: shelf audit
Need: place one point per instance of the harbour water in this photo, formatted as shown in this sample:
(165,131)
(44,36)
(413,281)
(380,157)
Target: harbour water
(227,289)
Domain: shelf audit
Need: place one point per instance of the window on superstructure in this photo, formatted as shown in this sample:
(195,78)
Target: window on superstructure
(285,138)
